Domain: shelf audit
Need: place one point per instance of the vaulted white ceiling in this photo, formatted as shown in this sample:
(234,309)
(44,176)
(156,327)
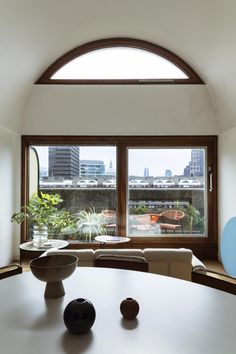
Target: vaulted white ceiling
(34,33)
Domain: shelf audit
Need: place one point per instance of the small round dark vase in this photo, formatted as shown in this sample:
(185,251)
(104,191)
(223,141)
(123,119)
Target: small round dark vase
(129,308)
(79,316)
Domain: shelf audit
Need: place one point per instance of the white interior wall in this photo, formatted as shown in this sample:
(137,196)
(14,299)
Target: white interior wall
(200,32)
(10,195)
(119,110)
(28,48)
(101,110)
(227,177)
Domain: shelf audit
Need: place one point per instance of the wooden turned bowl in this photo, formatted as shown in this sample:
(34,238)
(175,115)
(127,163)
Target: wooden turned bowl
(52,270)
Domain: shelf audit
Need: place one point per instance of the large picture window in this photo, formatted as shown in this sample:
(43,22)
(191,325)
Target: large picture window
(167,192)
(157,190)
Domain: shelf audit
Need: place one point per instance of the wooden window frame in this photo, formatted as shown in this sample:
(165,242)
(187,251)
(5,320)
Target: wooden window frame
(193,77)
(203,247)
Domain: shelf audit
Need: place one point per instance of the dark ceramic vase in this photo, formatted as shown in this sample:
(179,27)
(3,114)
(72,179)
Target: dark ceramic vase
(79,316)
(129,308)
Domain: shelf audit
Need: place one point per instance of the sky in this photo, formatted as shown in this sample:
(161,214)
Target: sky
(156,160)
(119,63)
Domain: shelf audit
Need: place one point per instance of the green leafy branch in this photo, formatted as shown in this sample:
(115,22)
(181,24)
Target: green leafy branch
(43,211)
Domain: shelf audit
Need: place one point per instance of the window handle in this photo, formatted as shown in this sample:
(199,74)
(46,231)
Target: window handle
(211,182)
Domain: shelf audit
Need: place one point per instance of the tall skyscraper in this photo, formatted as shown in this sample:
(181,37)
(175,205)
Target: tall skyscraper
(110,171)
(43,172)
(92,168)
(196,165)
(146,172)
(64,161)
(168,173)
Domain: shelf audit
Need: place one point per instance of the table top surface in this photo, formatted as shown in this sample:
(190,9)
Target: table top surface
(28,246)
(112,239)
(176,316)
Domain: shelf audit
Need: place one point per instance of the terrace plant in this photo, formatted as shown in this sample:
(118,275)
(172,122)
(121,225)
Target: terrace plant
(90,224)
(193,217)
(43,212)
(141,209)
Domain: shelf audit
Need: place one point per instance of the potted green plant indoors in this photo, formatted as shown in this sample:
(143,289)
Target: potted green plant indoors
(45,217)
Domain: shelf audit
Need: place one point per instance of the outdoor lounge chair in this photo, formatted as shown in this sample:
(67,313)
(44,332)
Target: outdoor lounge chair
(172,220)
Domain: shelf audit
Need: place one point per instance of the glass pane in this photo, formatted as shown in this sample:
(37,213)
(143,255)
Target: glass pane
(119,63)
(167,192)
(85,178)
(33,172)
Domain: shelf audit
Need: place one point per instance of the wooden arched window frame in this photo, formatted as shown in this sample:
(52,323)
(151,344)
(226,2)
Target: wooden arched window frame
(192,76)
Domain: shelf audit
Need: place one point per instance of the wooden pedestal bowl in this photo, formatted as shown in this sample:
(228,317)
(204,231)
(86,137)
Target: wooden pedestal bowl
(52,270)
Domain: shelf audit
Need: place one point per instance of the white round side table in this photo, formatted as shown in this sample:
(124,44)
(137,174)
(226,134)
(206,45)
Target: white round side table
(28,250)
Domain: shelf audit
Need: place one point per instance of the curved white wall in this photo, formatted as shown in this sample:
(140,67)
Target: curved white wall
(10,195)
(227,177)
(33,34)
(201,32)
(119,110)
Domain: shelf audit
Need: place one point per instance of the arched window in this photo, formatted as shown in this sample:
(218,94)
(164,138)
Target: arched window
(119,61)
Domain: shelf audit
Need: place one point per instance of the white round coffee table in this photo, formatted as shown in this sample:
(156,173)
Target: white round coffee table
(28,246)
(29,251)
(106,239)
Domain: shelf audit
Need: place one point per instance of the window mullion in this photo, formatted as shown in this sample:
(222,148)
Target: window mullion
(122,174)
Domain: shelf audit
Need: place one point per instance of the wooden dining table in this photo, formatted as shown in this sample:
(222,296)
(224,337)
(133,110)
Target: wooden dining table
(175,317)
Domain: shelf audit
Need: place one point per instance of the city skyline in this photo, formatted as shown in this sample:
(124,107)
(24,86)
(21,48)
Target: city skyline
(157,160)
